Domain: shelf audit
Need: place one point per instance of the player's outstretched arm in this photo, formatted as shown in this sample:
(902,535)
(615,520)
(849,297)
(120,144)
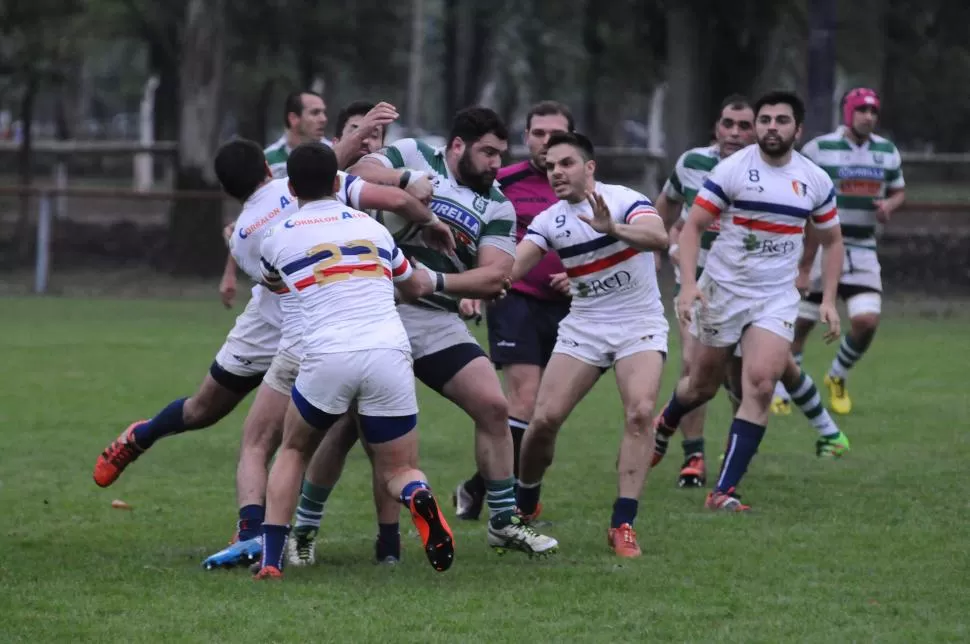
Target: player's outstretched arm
(227,285)
(833,254)
(527,255)
(643,228)
(378,197)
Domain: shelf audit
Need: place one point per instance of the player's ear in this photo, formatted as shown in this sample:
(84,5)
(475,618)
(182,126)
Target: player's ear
(269,171)
(289,186)
(336,183)
(591,167)
(798,133)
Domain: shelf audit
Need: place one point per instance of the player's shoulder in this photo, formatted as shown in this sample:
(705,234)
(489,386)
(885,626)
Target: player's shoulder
(621,193)
(512,174)
(275,152)
(879,144)
(828,142)
(702,159)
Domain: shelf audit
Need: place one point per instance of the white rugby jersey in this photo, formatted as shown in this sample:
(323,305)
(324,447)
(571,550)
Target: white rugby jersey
(763,211)
(608,279)
(862,174)
(341,264)
(293,315)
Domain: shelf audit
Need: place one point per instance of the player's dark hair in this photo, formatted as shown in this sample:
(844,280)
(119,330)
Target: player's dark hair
(735,102)
(357,108)
(781,97)
(472,123)
(575,139)
(294,105)
(550,108)
(240,167)
(311,168)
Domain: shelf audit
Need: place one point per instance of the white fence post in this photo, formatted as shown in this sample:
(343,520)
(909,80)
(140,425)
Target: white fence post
(42,271)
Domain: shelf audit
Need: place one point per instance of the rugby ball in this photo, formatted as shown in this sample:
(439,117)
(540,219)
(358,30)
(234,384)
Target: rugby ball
(400,228)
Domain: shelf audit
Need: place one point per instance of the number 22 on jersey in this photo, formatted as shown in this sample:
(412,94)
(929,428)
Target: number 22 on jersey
(330,269)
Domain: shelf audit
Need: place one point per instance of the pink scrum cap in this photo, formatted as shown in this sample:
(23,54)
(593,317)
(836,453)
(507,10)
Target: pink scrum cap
(855,99)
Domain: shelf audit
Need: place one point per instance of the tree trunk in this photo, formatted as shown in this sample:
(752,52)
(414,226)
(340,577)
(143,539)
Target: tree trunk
(166,66)
(594,65)
(686,74)
(452,57)
(24,170)
(195,224)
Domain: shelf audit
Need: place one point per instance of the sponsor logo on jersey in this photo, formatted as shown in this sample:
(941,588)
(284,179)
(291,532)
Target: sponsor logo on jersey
(800,188)
(457,216)
(861,172)
(619,281)
(480,204)
(753,244)
(293,222)
(262,221)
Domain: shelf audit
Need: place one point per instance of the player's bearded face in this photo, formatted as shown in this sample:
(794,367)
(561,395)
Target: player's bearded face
(479,163)
(776,129)
(864,120)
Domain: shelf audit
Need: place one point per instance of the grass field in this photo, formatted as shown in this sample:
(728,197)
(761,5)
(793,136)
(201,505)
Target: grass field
(870,548)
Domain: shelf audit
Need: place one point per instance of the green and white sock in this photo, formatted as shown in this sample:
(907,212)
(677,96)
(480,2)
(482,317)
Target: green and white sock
(309,513)
(500,498)
(806,397)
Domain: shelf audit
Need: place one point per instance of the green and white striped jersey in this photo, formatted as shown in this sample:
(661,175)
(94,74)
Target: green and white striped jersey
(476,220)
(277,153)
(684,183)
(861,174)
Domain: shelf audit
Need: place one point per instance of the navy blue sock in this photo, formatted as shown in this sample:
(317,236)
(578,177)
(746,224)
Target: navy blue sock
(624,511)
(676,410)
(165,423)
(527,497)
(410,489)
(388,541)
(250,521)
(742,445)
(274,541)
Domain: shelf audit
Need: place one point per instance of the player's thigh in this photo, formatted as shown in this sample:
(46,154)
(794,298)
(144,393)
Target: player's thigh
(302,427)
(250,346)
(564,383)
(766,355)
(326,386)
(476,389)
(687,342)
(638,381)
(388,407)
(282,372)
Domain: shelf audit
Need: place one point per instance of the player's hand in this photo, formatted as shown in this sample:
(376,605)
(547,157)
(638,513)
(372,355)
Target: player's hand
(803,281)
(421,189)
(381,115)
(602,219)
(470,309)
(688,295)
(227,232)
(227,290)
(883,212)
(439,237)
(829,316)
(560,282)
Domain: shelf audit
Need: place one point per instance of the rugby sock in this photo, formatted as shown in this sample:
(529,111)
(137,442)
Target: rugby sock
(624,511)
(527,496)
(850,352)
(742,446)
(476,486)
(517,427)
(500,498)
(675,411)
(165,423)
(388,541)
(274,542)
(309,513)
(806,397)
(250,521)
(410,489)
(693,446)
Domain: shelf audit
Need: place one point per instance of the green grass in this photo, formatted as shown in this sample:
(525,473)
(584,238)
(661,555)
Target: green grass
(871,548)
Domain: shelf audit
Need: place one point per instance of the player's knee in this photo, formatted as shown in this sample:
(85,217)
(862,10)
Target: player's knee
(864,326)
(491,414)
(760,387)
(545,423)
(522,399)
(638,417)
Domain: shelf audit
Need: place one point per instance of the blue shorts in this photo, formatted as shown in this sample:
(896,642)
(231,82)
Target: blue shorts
(523,329)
